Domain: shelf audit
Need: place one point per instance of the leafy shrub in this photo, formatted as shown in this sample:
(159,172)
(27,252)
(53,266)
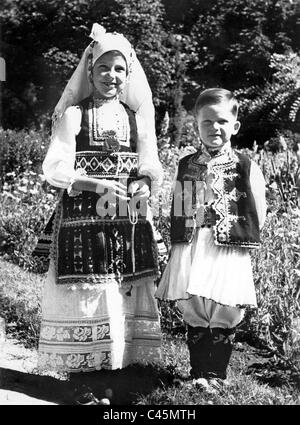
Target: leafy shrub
(276,273)
(21,151)
(275,107)
(20,295)
(25,206)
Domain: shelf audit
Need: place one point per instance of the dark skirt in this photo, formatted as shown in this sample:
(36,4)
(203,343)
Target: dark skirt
(88,248)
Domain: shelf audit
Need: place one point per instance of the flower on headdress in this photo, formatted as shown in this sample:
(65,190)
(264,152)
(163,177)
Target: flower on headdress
(97,32)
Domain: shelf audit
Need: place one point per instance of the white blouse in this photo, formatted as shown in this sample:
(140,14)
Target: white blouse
(258,187)
(58,165)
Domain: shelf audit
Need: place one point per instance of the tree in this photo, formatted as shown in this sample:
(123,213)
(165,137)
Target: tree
(276,107)
(51,36)
(144,23)
(233,40)
(42,42)
(183,45)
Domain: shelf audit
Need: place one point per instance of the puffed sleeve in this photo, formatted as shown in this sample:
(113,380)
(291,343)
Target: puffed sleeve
(58,166)
(149,164)
(258,188)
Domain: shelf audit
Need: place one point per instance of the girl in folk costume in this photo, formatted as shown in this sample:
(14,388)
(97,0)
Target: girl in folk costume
(217,212)
(98,306)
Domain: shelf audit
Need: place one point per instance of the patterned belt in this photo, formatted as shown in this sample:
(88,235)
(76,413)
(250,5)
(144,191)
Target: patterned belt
(107,165)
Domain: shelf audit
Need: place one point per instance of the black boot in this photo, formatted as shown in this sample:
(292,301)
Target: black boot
(199,341)
(221,349)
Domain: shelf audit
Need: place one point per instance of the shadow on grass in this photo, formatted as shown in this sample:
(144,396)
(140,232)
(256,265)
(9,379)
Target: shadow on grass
(261,364)
(274,374)
(126,384)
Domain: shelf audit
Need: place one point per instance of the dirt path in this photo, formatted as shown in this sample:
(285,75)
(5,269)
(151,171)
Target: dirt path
(21,384)
(16,363)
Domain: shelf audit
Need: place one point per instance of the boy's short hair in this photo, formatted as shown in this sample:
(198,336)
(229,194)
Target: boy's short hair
(214,96)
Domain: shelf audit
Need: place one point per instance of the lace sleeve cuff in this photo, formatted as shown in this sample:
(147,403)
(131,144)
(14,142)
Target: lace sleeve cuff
(71,192)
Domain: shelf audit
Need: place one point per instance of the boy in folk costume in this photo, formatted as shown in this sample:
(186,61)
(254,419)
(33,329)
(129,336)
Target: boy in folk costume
(98,307)
(217,212)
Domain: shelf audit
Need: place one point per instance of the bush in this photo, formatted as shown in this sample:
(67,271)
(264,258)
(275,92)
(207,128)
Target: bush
(274,107)
(22,151)
(20,295)
(276,273)
(26,205)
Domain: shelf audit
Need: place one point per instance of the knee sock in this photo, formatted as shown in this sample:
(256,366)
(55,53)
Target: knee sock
(199,345)
(221,349)
(210,351)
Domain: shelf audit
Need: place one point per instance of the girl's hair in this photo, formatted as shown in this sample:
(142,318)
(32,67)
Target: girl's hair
(214,96)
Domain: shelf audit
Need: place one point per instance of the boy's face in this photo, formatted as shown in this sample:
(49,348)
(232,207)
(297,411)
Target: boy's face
(216,124)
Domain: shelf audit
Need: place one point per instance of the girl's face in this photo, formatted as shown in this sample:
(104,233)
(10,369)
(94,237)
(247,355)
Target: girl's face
(109,74)
(216,124)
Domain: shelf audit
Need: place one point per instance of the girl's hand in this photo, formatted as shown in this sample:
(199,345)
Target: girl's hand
(115,188)
(139,189)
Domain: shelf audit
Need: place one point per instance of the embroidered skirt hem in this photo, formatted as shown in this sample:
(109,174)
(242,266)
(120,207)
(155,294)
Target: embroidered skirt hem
(98,327)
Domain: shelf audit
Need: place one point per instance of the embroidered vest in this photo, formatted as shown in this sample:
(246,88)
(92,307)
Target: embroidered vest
(233,215)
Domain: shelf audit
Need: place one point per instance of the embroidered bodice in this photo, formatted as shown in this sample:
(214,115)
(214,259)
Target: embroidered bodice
(106,125)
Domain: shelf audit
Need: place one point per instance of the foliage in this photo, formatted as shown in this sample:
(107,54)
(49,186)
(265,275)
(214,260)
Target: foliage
(280,164)
(21,151)
(236,38)
(26,201)
(275,322)
(41,65)
(142,22)
(274,108)
(25,206)
(183,48)
(276,273)
(20,296)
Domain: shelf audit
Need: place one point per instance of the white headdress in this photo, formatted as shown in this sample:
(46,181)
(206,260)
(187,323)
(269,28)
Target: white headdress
(137,89)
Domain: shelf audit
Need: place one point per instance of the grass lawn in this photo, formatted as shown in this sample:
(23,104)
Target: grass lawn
(253,379)
(247,382)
